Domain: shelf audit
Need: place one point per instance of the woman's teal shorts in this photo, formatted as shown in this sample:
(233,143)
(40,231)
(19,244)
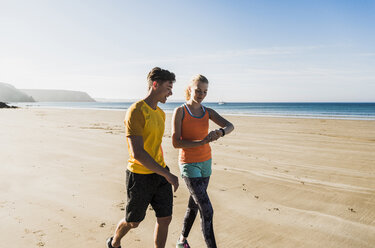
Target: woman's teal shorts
(200,169)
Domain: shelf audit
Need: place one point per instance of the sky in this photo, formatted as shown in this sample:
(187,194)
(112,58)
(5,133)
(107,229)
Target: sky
(253,51)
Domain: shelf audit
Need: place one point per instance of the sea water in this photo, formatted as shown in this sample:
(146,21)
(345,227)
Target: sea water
(324,110)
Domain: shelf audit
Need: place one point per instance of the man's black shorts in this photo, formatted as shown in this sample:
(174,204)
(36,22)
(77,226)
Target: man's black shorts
(145,189)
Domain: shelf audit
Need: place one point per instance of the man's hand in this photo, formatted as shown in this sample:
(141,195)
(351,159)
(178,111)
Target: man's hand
(172,179)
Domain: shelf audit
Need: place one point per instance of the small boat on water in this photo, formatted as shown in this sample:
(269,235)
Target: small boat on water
(221,103)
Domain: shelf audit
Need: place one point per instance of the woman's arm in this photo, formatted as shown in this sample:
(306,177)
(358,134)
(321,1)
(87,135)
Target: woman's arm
(221,121)
(176,132)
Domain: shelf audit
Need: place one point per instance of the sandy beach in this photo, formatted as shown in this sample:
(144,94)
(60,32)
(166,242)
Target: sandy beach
(277,182)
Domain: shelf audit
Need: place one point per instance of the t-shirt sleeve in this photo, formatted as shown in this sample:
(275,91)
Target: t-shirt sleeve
(162,114)
(134,122)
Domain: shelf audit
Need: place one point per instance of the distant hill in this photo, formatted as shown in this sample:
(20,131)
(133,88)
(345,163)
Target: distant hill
(58,95)
(8,93)
(4,105)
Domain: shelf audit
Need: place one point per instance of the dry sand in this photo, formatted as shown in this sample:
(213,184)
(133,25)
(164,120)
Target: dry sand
(277,182)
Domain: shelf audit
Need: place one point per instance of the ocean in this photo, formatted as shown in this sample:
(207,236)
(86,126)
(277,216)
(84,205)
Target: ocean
(328,110)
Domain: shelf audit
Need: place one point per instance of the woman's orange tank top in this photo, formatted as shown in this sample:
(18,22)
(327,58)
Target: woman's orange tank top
(194,128)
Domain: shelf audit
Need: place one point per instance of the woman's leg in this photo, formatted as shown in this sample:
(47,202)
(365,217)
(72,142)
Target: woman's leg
(191,213)
(198,190)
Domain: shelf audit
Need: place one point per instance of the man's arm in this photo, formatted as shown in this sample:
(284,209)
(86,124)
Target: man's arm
(139,153)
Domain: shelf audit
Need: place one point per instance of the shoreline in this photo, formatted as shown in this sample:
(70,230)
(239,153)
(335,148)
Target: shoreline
(319,117)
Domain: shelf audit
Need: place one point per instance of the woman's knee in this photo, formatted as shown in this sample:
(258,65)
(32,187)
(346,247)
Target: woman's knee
(193,206)
(192,210)
(208,212)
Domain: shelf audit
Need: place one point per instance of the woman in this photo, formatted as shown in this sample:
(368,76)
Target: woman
(190,134)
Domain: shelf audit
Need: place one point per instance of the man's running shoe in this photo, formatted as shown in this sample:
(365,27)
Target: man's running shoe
(109,243)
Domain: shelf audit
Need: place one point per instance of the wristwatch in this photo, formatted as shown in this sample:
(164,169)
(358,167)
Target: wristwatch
(222,130)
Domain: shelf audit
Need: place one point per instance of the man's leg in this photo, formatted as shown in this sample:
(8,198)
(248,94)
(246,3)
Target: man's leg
(138,198)
(161,231)
(162,203)
(123,228)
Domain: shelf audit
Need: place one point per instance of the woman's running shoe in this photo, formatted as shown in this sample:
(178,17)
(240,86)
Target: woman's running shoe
(182,244)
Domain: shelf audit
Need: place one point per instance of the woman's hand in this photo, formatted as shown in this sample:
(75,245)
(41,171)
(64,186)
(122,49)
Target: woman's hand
(214,135)
(206,140)
(219,132)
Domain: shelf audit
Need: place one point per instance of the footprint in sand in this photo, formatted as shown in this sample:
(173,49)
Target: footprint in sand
(18,219)
(121,205)
(244,188)
(39,235)
(275,209)
(352,210)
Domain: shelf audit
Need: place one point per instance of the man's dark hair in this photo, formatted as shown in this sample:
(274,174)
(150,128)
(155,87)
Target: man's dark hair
(159,75)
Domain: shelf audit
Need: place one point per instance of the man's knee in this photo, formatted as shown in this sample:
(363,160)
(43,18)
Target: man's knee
(131,224)
(134,224)
(164,221)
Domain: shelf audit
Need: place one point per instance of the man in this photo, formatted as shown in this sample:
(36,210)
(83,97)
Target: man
(147,177)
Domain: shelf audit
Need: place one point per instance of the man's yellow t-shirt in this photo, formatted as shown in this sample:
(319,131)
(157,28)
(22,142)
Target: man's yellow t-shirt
(142,120)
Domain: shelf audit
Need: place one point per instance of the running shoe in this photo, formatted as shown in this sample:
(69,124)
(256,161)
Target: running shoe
(182,245)
(109,243)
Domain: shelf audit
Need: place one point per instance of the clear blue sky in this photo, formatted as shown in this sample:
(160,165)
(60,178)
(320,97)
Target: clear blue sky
(249,50)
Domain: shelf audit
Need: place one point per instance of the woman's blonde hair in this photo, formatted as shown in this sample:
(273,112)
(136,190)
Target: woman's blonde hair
(195,79)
